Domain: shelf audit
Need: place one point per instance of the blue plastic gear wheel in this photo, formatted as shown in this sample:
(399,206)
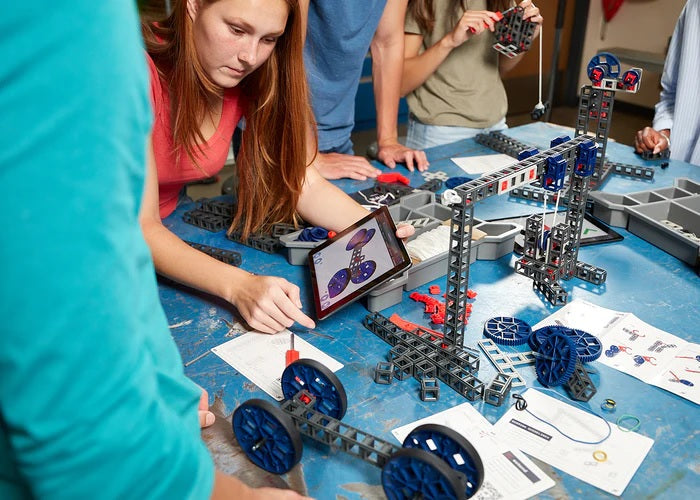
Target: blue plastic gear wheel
(608,63)
(556,360)
(539,335)
(588,347)
(453,449)
(322,383)
(415,473)
(267,436)
(505,330)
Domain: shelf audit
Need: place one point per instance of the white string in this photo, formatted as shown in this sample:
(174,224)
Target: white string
(539,103)
(544,215)
(554,223)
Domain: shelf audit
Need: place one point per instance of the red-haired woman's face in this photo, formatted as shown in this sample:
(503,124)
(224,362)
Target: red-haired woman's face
(235,37)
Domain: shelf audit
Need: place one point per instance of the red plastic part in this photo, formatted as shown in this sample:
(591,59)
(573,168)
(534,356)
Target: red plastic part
(434,289)
(412,327)
(291,356)
(393,177)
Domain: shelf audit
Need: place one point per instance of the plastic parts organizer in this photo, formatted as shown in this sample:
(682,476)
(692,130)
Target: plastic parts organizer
(668,218)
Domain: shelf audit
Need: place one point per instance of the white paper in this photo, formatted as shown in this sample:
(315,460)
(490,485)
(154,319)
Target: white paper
(508,473)
(479,165)
(636,348)
(653,356)
(261,358)
(583,315)
(623,452)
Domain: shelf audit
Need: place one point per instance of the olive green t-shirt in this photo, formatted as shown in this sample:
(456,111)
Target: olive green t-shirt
(466,90)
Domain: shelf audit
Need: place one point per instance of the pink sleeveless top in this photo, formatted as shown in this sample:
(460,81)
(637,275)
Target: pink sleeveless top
(172,175)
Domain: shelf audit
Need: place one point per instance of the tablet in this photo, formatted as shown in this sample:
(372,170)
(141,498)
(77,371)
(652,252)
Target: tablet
(356,260)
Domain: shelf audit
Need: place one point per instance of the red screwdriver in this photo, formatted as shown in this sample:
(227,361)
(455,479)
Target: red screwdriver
(292,355)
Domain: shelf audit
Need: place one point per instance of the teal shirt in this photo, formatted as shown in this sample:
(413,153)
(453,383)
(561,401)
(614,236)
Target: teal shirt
(93,399)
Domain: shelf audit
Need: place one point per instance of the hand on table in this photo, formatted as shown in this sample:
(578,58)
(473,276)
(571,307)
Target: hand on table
(338,166)
(392,152)
(649,139)
(269,304)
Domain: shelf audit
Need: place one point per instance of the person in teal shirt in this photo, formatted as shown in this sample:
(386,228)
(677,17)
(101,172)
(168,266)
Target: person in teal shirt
(93,399)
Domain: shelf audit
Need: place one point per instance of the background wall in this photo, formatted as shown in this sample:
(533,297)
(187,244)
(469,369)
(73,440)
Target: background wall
(644,25)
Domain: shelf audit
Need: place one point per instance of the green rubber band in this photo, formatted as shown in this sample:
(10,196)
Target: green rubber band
(628,417)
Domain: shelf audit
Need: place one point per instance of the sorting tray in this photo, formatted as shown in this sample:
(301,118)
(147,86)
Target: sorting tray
(672,225)
(499,239)
(387,294)
(613,209)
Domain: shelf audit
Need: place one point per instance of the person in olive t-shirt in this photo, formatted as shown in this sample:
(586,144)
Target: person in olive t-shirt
(452,75)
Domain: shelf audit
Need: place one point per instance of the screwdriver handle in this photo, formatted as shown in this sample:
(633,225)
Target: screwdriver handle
(291,355)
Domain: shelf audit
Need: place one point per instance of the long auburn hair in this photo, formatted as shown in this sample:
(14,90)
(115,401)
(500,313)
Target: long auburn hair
(273,157)
(423,11)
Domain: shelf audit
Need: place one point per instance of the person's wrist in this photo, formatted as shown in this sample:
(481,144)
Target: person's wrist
(447,43)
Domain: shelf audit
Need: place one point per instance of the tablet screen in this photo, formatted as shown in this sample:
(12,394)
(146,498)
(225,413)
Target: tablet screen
(356,260)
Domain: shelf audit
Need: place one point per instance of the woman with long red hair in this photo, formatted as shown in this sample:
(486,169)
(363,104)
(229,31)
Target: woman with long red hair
(213,62)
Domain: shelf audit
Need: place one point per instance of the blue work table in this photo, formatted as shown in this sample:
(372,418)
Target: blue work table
(642,279)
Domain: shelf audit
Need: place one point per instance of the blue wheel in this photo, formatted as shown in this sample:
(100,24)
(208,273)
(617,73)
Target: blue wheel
(360,239)
(505,330)
(320,382)
(538,336)
(453,449)
(267,436)
(588,347)
(556,361)
(415,473)
(339,281)
(606,63)
(364,272)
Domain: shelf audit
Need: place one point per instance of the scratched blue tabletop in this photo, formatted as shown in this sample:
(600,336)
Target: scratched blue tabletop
(642,279)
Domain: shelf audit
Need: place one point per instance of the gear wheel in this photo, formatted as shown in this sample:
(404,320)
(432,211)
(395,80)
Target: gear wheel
(505,330)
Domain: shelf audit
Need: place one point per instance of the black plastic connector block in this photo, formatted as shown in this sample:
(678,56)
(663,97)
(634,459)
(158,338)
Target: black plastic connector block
(226,256)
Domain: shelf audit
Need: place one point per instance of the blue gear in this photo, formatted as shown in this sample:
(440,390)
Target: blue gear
(267,436)
(320,382)
(588,347)
(416,473)
(538,336)
(453,449)
(557,359)
(505,330)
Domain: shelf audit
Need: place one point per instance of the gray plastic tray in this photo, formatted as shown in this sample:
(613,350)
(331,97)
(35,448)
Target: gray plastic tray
(499,239)
(387,294)
(298,251)
(612,208)
(672,225)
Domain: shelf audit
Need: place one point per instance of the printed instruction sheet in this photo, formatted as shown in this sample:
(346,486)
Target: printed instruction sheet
(261,358)
(609,465)
(508,473)
(636,348)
